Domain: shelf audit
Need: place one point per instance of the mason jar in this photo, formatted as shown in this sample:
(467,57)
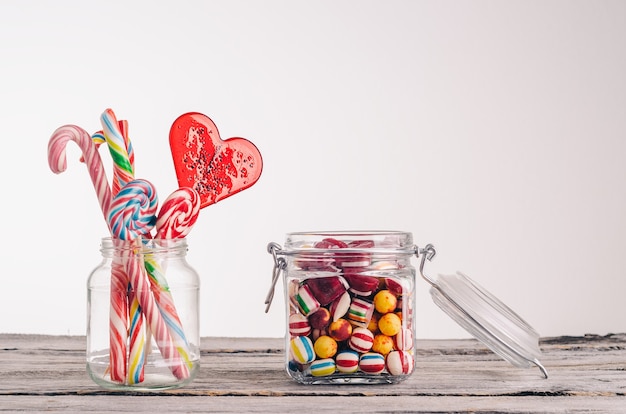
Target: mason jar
(143,316)
(350,300)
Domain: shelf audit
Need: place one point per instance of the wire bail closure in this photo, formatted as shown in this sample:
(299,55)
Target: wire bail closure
(279,265)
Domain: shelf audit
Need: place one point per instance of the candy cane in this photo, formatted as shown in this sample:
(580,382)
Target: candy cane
(177,216)
(58,162)
(133,214)
(119,307)
(120,149)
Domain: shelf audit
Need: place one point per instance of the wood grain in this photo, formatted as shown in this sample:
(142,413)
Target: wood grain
(587,375)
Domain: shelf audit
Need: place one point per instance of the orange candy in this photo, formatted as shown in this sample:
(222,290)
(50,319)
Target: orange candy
(385,301)
(325,347)
(390,324)
(383,344)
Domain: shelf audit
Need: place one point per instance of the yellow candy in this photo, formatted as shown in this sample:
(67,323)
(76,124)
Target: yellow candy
(373,325)
(385,301)
(390,324)
(325,347)
(383,344)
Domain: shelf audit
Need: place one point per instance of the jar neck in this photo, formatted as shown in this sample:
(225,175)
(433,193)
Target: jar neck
(110,247)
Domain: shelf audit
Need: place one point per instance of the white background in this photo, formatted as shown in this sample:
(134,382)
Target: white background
(493,129)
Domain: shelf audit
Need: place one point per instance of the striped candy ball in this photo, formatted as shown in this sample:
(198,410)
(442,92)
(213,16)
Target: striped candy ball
(361,340)
(372,363)
(302,349)
(299,325)
(347,362)
(323,367)
(360,312)
(306,301)
(403,340)
(399,363)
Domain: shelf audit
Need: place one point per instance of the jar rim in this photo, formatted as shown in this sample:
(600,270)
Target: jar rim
(108,244)
(384,241)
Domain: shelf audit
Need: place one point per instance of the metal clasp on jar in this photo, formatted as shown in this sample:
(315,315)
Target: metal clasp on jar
(427,253)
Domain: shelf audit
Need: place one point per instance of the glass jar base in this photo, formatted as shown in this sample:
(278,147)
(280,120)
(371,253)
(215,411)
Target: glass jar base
(154,379)
(357,378)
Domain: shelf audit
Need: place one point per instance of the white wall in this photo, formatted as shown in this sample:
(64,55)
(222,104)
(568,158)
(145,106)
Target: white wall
(493,129)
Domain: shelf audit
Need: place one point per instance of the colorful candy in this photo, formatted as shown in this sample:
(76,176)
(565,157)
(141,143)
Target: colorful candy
(326,289)
(390,324)
(347,362)
(361,340)
(320,318)
(302,349)
(306,301)
(340,330)
(58,162)
(299,325)
(399,363)
(403,341)
(385,301)
(372,363)
(178,214)
(382,344)
(325,347)
(355,317)
(339,307)
(215,168)
(360,312)
(323,367)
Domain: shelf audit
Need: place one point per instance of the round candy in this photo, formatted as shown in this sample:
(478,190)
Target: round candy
(325,347)
(383,344)
(360,312)
(340,306)
(323,367)
(320,319)
(299,325)
(373,324)
(390,324)
(399,363)
(302,349)
(361,340)
(340,330)
(372,363)
(307,303)
(347,362)
(403,341)
(385,301)
(326,289)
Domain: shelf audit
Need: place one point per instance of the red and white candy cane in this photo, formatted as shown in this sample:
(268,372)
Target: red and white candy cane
(119,305)
(177,216)
(58,162)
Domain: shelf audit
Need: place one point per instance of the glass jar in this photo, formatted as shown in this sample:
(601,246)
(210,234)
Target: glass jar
(143,316)
(350,299)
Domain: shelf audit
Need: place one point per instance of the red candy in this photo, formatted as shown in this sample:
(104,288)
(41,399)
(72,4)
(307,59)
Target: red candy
(361,285)
(215,168)
(356,259)
(326,289)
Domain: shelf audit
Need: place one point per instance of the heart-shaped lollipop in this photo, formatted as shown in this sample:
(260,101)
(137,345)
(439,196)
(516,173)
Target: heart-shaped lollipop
(215,168)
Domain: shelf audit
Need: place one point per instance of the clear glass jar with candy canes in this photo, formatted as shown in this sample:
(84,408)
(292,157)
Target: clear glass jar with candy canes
(350,298)
(350,302)
(143,315)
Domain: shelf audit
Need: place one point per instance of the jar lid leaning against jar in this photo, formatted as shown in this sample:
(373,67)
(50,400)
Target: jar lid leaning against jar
(350,298)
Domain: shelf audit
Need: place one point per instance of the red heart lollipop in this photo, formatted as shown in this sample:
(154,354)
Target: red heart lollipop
(215,168)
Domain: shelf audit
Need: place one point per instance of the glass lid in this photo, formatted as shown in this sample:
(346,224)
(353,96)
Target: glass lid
(484,316)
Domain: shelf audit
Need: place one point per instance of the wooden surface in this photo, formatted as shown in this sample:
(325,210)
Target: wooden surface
(587,375)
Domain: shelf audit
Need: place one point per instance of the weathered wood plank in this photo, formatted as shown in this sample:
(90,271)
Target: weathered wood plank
(587,374)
